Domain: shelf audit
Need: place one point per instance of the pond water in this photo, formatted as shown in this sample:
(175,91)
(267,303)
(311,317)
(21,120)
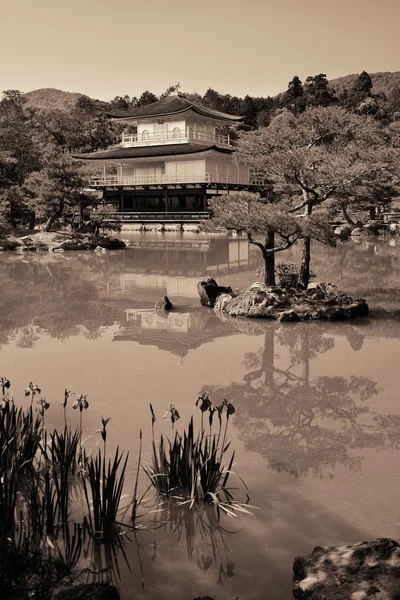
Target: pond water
(317,423)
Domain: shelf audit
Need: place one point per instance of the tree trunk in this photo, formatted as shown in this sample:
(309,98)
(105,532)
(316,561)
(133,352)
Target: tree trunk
(32,220)
(269,259)
(347,216)
(57,215)
(50,221)
(304,276)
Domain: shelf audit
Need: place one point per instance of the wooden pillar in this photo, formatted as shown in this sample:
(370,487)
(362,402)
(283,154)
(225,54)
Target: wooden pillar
(121,200)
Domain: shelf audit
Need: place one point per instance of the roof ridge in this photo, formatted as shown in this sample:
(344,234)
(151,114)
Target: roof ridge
(172,105)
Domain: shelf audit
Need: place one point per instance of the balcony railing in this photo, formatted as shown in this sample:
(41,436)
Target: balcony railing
(173,137)
(154,216)
(150,179)
(163,179)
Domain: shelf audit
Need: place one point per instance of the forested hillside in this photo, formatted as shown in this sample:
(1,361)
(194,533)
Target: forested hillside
(382,83)
(376,93)
(51,98)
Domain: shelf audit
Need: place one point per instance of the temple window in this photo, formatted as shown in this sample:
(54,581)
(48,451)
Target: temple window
(176,132)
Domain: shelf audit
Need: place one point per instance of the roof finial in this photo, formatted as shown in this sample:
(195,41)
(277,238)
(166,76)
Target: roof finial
(176,86)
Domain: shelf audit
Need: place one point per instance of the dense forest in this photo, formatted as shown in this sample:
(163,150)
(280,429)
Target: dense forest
(41,130)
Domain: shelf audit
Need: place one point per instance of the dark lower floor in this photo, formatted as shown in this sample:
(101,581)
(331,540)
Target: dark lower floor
(157,201)
(181,203)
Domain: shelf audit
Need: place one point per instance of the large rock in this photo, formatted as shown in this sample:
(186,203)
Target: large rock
(342,232)
(319,301)
(163,303)
(10,243)
(209,290)
(110,243)
(75,243)
(375,227)
(362,232)
(361,571)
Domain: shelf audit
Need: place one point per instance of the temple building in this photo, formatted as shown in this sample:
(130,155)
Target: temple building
(176,160)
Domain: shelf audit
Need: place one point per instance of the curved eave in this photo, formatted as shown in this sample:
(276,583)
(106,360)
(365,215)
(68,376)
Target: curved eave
(211,114)
(151,152)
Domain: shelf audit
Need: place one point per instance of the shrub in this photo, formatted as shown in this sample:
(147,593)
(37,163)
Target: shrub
(288,274)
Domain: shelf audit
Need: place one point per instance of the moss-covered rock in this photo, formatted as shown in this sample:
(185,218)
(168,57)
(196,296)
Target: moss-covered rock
(320,301)
(361,571)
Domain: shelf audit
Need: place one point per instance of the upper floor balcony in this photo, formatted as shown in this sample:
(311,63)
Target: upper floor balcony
(193,178)
(176,136)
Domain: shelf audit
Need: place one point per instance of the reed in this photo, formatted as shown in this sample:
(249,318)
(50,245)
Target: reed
(64,449)
(103,487)
(193,468)
(20,435)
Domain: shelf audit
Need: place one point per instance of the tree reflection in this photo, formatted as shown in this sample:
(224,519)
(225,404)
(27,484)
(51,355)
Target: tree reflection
(306,425)
(361,267)
(51,295)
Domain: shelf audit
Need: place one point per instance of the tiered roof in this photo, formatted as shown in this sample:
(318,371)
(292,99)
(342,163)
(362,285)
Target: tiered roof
(150,151)
(172,105)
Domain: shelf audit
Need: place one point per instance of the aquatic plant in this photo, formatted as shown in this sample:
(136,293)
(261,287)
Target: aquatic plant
(191,468)
(5,385)
(105,482)
(8,501)
(63,448)
(173,413)
(68,545)
(43,405)
(19,437)
(37,474)
(67,394)
(32,390)
(82,404)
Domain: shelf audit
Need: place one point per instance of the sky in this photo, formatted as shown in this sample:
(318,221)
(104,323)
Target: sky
(105,48)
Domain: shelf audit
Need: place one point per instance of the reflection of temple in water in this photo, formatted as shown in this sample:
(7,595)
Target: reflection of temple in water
(142,319)
(154,266)
(176,331)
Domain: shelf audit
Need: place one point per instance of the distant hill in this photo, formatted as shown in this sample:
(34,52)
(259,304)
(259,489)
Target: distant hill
(52,98)
(46,98)
(382,82)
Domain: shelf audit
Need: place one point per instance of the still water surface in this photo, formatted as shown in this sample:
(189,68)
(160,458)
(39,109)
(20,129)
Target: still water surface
(317,424)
